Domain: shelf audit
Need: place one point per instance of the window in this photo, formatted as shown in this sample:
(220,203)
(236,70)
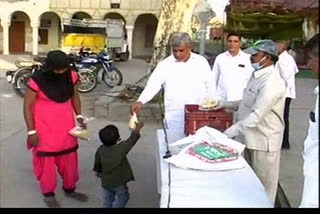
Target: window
(45,23)
(115,4)
(43,36)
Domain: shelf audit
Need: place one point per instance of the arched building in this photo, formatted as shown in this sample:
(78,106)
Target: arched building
(33,26)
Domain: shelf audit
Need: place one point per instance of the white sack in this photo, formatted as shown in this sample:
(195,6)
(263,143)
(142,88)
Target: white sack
(209,149)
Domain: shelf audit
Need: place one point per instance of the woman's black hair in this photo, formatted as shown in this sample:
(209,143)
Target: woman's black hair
(57,87)
(57,59)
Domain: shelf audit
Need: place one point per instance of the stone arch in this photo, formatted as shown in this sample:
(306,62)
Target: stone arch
(114,15)
(118,16)
(143,35)
(81,15)
(49,27)
(20,32)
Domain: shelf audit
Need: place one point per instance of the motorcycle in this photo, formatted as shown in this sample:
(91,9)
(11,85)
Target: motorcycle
(96,63)
(88,78)
(19,78)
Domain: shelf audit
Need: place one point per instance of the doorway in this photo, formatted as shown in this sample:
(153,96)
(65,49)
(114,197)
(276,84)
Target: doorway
(17,37)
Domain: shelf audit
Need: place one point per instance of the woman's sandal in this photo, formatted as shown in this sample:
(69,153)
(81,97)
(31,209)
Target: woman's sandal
(77,196)
(51,202)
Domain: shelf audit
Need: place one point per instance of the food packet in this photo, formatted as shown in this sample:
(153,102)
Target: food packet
(209,104)
(79,132)
(133,120)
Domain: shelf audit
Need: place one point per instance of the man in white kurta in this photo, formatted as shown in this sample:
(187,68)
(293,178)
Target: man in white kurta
(288,68)
(232,70)
(186,78)
(310,196)
(260,116)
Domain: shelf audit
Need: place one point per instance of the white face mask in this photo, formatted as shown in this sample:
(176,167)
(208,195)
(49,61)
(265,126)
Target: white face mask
(256,66)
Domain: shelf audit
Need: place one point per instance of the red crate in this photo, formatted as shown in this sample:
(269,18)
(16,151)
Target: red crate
(195,119)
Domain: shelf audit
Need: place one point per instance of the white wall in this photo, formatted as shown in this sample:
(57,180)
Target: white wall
(53,33)
(1,39)
(129,9)
(33,9)
(139,34)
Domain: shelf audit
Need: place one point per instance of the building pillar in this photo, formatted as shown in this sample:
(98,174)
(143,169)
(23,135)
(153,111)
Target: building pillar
(129,39)
(5,26)
(35,38)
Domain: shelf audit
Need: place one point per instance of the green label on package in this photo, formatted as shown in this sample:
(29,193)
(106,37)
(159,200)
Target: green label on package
(210,152)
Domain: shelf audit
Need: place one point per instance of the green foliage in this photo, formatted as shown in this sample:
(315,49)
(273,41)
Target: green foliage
(195,34)
(305,74)
(263,26)
(212,48)
(247,43)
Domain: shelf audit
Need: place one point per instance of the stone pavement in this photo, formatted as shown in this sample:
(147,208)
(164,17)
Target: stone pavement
(18,188)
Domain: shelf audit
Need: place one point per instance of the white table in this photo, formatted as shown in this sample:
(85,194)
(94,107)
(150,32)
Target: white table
(196,188)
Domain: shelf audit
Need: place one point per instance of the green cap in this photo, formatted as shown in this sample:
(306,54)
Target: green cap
(266,45)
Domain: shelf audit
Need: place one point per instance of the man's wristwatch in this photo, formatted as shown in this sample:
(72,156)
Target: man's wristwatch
(32,132)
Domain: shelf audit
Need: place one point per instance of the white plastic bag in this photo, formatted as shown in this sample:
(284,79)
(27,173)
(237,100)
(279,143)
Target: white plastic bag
(208,149)
(133,120)
(79,132)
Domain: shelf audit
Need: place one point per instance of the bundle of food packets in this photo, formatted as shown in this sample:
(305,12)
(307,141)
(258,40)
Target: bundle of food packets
(208,104)
(80,132)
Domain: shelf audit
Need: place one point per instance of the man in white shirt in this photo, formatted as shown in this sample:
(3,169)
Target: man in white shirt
(186,78)
(232,70)
(291,52)
(310,196)
(260,115)
(288,68)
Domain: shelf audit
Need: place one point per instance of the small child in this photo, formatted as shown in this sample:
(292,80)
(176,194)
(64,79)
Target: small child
(112,165)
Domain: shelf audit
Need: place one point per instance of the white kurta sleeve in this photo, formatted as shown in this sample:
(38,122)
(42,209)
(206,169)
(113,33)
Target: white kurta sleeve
(285,69)
(156,79)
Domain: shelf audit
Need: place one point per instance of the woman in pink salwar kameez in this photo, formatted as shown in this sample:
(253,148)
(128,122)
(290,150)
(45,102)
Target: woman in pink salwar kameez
(50,105)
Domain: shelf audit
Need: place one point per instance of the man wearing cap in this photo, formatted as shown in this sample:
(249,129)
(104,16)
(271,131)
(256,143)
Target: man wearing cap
(260,115)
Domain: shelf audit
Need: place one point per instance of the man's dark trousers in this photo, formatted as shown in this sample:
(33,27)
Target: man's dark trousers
(285,141)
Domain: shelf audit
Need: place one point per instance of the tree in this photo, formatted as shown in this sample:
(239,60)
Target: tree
(175,16)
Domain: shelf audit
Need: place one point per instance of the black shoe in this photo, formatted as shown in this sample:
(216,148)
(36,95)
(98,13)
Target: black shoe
(77,196)
(51,202)
(285,146)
